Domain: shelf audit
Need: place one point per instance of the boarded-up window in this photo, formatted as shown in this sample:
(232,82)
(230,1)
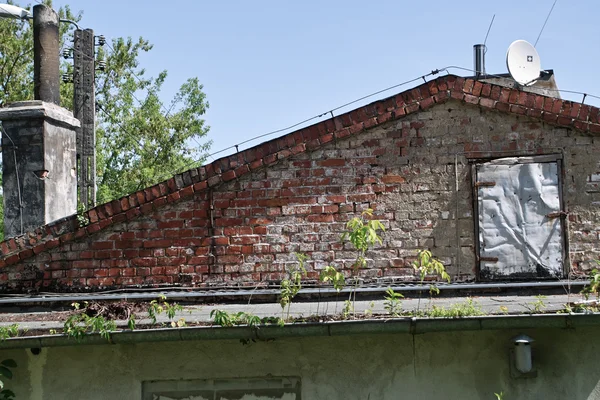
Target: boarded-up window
(223,389)
(519,218)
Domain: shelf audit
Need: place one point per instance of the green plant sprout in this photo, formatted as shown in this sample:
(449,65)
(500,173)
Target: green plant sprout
(426,264)
(594,286)
(469,308)
(538,306)
(330,274)
(157,307)
(7,332)
(369,310)
(77,325)
(392,303)
(227,319)
(348,309)
(362,233)
(292,285)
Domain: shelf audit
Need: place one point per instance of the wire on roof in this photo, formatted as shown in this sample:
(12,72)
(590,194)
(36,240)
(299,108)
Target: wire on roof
(287,128)
(546,21)
(433,72)
(488,31)
(504,77)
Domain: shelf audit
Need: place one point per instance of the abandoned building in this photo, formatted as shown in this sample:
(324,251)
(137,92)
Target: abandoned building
(502,185)
(498,183)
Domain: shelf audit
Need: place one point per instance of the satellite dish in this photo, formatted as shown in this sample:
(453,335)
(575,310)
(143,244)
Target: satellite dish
(523,62)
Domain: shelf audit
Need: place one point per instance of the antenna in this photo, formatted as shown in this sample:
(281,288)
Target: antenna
(523,62)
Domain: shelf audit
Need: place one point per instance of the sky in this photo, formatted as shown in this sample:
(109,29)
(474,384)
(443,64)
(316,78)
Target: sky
(266,65)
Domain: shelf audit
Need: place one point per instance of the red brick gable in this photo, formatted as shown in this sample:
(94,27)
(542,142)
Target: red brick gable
(583,118)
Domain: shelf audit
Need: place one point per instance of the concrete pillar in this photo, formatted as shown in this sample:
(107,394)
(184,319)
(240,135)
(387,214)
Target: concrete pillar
(39,165)
(46,54)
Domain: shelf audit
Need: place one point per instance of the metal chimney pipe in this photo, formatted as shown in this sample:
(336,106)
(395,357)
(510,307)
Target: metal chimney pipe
(46,72)
(479,59)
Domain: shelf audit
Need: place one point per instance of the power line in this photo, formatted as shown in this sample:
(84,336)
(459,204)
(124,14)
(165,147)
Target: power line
(434,72)
(542,30)
(504,77)
(236,146)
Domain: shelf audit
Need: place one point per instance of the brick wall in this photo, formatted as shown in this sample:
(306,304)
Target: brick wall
(246,229)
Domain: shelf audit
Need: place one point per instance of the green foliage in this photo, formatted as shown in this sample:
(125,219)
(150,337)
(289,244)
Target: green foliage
(6,373)
(538,306)
(7,332)
(82,220)
(362,233)
(330,274)
(131,321)
(157,307)
(222,318)
(139,141)
(392,303)
(226,319)
(348,309)
(594,286)
(425,265)
(79,324)
(469,308)
(369,311)
(499,396)
(292,285)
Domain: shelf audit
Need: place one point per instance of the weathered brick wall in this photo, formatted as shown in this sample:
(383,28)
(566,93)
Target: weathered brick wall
(247,230)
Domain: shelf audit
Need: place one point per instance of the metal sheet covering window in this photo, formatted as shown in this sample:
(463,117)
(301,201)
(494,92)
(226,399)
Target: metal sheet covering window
(520,227)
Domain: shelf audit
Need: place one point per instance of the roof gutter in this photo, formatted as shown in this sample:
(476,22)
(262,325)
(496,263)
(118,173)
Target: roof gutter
(190,294)
(333,328)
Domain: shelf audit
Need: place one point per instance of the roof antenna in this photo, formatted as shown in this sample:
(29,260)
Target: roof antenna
(546,21)
(479,51)
(489,29)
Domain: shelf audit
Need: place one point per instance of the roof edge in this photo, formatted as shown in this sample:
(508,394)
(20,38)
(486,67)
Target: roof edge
(330,328)
(563,113)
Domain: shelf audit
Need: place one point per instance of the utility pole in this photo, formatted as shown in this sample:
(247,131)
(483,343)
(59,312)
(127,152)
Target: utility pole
(84,109)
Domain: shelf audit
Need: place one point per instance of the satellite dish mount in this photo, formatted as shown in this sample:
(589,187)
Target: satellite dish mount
(523,62)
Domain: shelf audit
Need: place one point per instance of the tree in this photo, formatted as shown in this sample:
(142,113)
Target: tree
(140,141)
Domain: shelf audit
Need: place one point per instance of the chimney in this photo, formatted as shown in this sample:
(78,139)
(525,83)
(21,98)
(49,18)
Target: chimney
(38,165)
(479,60)
(39,142)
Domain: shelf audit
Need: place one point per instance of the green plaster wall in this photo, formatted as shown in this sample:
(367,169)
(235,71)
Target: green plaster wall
(456,365)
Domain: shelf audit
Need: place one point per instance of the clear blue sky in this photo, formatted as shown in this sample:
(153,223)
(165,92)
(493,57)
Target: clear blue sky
(266,65)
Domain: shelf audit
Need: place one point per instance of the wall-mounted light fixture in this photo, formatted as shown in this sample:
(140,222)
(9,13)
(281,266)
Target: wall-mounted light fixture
(523,361)
(521,357)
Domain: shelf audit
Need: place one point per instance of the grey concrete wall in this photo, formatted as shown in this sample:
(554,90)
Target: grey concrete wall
(457,365)
(37,137)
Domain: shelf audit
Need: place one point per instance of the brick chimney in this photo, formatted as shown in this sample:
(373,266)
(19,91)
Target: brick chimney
(39,165)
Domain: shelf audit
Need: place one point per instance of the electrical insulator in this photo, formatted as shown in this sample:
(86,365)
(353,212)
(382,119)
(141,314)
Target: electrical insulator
(66,53)
(101,40)
(101,65)
(67,78)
